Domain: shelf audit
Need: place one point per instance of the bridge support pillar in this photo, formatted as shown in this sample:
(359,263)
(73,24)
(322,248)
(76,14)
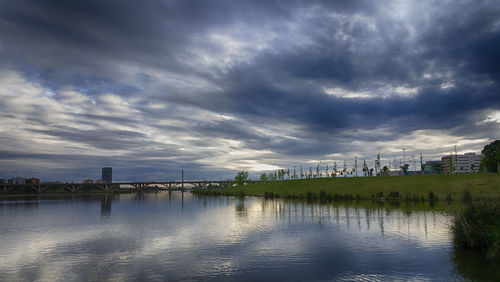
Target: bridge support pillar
(169,185)
(139,186)
(40,188)
(8,188)
(73,187)
(107,186)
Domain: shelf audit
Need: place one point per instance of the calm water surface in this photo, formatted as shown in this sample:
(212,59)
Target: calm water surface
(178,236)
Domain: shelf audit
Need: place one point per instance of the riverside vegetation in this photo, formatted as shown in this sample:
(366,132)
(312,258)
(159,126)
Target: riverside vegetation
(477,227)
(414,188)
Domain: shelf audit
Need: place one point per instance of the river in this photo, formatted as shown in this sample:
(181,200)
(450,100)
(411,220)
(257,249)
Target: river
(180,236)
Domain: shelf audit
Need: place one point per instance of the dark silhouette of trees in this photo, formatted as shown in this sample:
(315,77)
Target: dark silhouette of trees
(385,170)
(491,157)
(241,177)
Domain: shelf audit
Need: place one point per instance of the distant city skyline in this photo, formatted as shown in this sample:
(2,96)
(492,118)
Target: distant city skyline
(215,87)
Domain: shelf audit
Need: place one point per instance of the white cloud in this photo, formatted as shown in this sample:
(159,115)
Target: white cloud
(493,117)
(382,91)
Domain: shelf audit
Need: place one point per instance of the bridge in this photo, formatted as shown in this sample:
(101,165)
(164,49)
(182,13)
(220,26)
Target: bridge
(139,186)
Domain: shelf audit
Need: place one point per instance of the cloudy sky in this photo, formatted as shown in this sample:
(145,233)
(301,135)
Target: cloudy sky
(213,87)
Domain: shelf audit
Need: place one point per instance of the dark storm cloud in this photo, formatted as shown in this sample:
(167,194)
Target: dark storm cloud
(91,34)
(101,139)
(254,90)
(318,74)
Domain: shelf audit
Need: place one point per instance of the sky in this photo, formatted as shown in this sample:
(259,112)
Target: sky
(214,87)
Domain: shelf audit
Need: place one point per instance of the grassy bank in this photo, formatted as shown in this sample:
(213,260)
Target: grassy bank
(477,227)
(417,187)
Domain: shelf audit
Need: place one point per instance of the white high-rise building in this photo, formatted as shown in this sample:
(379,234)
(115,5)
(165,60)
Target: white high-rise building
(466,163)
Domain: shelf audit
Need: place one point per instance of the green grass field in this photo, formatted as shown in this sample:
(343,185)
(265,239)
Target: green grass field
(443,186)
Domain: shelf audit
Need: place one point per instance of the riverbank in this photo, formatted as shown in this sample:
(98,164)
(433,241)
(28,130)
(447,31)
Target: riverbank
(415,187)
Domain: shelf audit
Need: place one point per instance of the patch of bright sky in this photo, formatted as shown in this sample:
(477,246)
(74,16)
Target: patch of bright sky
(447,85)
(232,154)
(493,117)
(382,92)
(420,141)
(256,166)
(229,46)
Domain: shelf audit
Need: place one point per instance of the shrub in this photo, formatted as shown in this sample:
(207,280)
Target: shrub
(432,197)
(322,196)
(269,195)
(467,196)
(393,195)
(477,227)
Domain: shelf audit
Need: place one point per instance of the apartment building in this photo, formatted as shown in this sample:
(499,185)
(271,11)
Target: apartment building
(466,163)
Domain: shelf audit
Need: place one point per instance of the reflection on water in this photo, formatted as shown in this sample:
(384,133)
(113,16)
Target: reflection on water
(106,205)
(474,266)
(178,236)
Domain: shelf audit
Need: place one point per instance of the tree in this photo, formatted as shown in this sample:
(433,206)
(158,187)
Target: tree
(294,175)
(263,177)
(385,170)
(301,173)
(241,177)
(377,162)
(355,170)
(491,157)
(288,174)
(335,168)
(404,168)
(365,168)
(327,171)
(451,164)
(345,168)
(310,172)
(317,171)
(421,164)
(281,174)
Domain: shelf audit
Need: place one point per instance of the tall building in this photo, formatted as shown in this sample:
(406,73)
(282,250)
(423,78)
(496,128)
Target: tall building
(466,163)
(107,174)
